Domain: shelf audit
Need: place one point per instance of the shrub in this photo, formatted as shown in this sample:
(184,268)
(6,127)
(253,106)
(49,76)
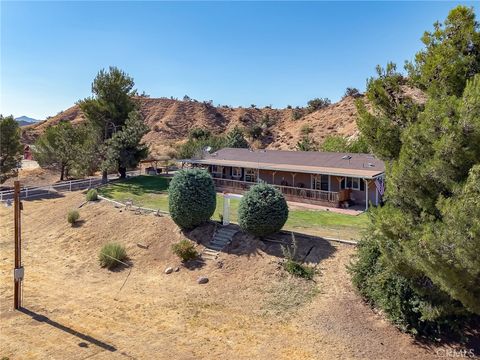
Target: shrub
(192,198)
(185,250)
(111,254)
(92,195)
(73,216)
(353,92)
(306,144)
(306,129)
(297,113)
(299,270)
(317,104)
(294,267)
(262,211)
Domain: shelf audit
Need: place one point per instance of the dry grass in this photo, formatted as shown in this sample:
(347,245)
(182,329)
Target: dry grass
(250,309)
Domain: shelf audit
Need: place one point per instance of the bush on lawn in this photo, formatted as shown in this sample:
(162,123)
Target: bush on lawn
(262,211)
(185,250)
(191,198)
(73,216)
(92,195)
(111,254)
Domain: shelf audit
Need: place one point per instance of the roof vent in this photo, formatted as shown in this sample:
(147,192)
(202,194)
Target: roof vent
(346,157)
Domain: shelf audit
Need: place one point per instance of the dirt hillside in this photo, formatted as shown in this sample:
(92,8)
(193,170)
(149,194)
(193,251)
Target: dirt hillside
(171,120)
(250,309)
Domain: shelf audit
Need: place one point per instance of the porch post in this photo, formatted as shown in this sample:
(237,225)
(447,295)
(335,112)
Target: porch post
(366,194)
(273,177)
(293,178)
(226,209)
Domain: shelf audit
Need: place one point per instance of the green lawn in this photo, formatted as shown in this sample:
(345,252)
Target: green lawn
(151,192)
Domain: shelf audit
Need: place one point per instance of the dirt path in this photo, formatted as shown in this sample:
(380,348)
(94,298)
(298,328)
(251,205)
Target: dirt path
(250,309)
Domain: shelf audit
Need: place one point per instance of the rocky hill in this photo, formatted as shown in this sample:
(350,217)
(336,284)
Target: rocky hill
(171,120)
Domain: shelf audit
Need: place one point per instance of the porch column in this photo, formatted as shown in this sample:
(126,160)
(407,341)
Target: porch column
(366,194)
(226,209)
(273,177)
(293,178)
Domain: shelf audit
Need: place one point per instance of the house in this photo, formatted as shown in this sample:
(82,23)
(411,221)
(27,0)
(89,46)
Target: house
(322,178)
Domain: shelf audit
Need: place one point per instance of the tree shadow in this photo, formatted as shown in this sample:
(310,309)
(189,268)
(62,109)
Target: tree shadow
(460,346)
(310,249)
(194,264)
(84,337)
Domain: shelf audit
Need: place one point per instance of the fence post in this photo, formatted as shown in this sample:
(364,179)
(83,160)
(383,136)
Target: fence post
(70,185)
(90,183)
(26,192)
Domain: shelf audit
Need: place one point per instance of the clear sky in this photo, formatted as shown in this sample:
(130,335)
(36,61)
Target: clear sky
(236,53)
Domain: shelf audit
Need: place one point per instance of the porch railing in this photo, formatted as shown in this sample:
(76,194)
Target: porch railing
(311,194)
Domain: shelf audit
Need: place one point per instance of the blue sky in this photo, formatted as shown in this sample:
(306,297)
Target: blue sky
(236,53)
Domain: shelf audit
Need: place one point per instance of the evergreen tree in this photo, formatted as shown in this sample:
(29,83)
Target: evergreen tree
(109,108)
(421,250)
(235,139)
(10,147)
(64,146)
(124,149)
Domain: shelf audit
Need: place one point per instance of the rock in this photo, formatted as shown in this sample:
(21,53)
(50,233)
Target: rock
(177,269)
(168,270)
(202,280)
(219,264)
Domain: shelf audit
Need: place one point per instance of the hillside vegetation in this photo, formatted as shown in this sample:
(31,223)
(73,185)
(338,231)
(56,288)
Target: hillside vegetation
(170,121)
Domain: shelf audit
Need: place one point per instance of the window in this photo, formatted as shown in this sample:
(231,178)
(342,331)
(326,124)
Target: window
(250,175)
(236,172)
(216,169)
(352,183)
(320,182)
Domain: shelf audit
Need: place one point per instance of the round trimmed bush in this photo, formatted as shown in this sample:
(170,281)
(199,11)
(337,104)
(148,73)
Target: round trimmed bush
(92,195)
(262,211)
(191,198)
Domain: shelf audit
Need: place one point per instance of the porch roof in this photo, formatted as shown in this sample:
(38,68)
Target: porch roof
(337,164)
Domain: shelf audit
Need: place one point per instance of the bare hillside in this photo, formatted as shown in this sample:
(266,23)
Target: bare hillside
(171,120)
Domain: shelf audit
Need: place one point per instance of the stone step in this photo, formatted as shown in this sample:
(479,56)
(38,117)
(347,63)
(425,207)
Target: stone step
(222,238)
(209,251)
(214,247)
(227,232)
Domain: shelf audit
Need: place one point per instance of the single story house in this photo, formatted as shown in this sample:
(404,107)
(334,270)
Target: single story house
(322,178)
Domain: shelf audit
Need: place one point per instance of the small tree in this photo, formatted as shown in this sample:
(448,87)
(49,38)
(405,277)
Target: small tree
(262,211)
(353,92)
(10,147)
(235,139)
(192,198)
(317,104)
(92,195)
(306,144)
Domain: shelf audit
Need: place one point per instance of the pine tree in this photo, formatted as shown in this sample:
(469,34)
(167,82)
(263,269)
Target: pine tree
(10,147)
(124,149)
(235,139)
(421,250)
(109,108)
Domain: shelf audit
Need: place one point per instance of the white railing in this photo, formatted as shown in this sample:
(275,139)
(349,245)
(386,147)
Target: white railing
(72,185)
(312,194)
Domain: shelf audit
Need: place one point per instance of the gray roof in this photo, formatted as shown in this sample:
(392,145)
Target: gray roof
(342,164)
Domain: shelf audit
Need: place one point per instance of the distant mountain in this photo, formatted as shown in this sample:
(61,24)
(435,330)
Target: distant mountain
(25,120)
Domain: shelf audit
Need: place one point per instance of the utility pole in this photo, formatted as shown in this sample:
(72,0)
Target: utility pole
(18,270)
